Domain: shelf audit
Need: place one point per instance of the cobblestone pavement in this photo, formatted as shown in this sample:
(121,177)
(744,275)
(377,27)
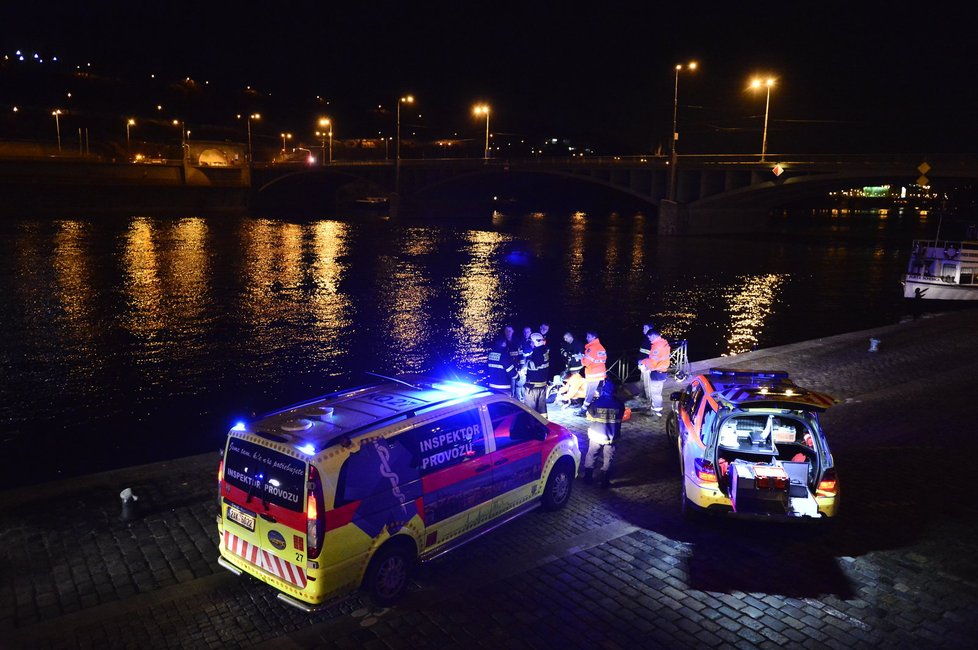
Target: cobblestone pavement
(616,568)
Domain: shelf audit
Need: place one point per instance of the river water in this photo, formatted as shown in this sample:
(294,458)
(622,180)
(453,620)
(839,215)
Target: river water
(130,340)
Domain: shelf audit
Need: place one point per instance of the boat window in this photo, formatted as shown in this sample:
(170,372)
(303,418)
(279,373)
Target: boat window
(967,275)
(949,271)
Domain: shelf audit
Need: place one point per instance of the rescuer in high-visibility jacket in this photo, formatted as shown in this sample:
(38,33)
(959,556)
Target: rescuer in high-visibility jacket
(604,416)
(537,375)
(654,369)
(500,368)
(571,389)
(594,359)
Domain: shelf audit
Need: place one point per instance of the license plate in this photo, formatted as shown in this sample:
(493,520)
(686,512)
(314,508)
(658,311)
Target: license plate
(241,518)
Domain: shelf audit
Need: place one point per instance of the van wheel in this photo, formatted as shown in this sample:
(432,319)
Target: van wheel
(387,576)
(557,491)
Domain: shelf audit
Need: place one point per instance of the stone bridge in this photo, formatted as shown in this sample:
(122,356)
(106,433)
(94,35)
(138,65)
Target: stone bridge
(713,193)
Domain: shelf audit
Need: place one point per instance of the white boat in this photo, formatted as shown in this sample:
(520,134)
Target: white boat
(942,270)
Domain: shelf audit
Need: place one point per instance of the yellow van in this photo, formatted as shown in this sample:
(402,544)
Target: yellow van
(348,490)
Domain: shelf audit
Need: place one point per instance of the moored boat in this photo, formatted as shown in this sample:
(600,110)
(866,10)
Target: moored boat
(942,270)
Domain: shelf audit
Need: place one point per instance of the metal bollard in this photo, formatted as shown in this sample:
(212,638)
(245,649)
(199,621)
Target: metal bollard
(129,503)
(874,345)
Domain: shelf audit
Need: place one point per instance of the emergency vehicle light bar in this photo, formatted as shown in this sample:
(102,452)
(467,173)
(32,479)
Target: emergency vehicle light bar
(754,374)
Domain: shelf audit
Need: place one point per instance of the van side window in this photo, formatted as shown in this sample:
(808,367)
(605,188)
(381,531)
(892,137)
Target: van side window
(512,425)
(446,442)
(379,465)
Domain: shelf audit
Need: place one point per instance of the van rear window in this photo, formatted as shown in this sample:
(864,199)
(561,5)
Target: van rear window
(265,474)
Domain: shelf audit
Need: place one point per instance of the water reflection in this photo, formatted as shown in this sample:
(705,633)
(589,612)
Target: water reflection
(190,270)
(75,289)
(142,283)
(482,293)
(574,271)
(750,304)
(329,304)
(404,293)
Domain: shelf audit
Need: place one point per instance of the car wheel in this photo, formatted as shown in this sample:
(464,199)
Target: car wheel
(557,491)
(387,576)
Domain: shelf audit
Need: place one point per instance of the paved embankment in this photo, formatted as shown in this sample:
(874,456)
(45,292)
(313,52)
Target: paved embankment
(616,568)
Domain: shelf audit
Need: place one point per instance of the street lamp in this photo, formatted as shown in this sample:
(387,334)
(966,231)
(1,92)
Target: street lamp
(129,123)
(768,83)
(323,123)
(285,136)
(253,116)
(480,110)
(675,132)
(183,132)
(57,125)
(407,99)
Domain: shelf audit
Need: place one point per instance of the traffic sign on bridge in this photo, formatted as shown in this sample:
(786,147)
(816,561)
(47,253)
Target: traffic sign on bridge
(923,168)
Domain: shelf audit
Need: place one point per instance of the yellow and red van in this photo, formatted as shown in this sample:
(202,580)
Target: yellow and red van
(348,490)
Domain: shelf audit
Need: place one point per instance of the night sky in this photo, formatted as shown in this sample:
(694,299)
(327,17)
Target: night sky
(852,77)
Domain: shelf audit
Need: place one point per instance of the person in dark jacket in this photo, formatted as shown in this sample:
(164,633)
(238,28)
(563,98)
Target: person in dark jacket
(537,375)
(604,415)
(500,368)
(573,351)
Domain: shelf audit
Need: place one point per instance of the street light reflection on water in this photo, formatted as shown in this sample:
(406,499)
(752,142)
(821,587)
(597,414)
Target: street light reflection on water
(750,302)
(185,322)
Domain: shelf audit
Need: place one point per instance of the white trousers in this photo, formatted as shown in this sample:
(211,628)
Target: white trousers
(594,447)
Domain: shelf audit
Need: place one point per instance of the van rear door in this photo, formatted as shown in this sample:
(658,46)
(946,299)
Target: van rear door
(263,502)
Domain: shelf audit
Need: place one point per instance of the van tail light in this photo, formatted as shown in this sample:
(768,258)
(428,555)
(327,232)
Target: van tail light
(705,471)
(828,486)
(220,472)
(315,524)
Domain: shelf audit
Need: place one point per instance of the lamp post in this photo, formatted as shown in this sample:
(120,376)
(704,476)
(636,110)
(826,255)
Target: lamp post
(479,110)
(768,83)
(285,136)
(407,99)
(183,132)
(326,122)
(675,132)
(253,116)
(129,123)
(57,125)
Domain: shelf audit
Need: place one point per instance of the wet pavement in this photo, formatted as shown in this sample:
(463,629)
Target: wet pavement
(616,568)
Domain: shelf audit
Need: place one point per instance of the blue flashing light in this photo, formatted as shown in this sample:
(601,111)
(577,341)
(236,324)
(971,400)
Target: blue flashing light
(456,387)
(308,449)
(239,426)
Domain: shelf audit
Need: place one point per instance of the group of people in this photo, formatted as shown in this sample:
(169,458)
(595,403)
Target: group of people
(521,368)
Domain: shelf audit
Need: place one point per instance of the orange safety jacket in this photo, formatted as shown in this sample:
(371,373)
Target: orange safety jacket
(658,359)
(594,360)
